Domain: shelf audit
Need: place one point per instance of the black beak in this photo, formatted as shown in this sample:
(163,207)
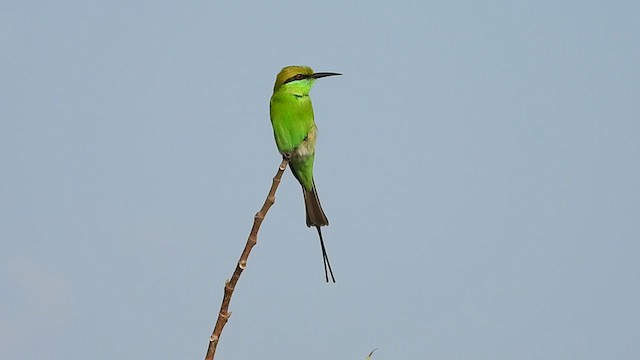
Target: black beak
(323,74)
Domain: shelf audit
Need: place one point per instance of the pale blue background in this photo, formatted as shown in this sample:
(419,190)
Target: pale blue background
(479,163)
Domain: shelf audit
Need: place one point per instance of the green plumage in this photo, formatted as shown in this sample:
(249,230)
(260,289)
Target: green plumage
(295,132)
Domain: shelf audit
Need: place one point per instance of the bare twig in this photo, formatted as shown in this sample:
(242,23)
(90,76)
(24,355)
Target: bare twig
(230,285)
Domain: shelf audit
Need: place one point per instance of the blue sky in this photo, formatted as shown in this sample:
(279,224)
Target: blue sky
(478,162)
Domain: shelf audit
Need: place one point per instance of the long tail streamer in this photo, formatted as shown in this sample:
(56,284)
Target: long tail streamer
(325,258)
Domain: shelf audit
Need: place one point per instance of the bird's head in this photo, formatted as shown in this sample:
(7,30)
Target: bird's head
(298,79)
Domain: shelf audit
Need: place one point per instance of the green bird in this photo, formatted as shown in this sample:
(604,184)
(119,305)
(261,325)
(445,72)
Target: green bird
(295,132)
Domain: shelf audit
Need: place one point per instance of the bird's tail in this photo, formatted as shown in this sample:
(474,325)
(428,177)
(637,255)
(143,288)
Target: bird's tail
(315,215)
(317,218)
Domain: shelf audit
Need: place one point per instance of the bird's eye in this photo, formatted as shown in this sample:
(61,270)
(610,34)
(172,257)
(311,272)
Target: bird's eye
(294,78)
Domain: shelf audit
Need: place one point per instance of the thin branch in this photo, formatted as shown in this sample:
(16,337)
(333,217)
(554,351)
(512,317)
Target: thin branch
(224,314)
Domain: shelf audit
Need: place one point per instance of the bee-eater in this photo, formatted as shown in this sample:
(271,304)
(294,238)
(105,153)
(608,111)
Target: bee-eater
(295,132)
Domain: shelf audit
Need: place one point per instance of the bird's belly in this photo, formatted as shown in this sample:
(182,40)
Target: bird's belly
(308,146)
(303,150)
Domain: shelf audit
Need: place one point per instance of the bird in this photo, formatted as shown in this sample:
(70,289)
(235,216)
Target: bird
(295,132)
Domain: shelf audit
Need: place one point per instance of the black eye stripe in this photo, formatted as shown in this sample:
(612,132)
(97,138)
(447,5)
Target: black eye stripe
(296,77)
